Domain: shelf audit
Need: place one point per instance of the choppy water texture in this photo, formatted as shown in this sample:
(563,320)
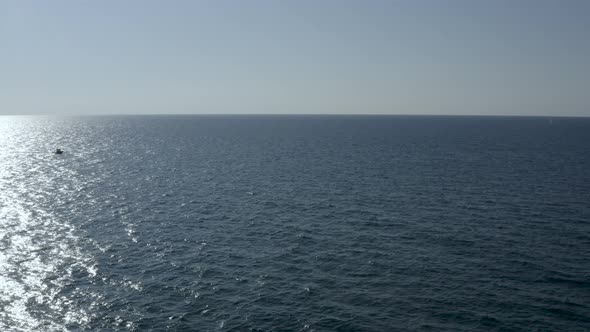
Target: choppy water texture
(319,223)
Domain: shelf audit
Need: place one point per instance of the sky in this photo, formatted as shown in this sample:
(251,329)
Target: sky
(492,57)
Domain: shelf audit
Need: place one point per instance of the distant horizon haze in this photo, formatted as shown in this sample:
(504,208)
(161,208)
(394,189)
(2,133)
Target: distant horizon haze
(525,58)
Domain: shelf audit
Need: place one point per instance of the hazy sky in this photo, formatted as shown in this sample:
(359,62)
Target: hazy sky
(302,56)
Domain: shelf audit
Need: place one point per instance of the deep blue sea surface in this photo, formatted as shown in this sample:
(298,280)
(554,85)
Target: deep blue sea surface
(295,223)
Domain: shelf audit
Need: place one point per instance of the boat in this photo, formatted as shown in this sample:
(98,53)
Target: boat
(59,151)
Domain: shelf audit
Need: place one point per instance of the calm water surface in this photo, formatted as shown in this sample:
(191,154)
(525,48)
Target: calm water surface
(287,223)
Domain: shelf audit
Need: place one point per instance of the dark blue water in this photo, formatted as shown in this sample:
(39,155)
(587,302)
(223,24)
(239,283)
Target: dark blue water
(293,223)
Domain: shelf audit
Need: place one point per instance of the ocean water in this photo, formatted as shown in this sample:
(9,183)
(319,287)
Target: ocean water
(295,223)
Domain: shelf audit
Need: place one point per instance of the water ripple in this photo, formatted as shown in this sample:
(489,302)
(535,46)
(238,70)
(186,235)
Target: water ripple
(294,223)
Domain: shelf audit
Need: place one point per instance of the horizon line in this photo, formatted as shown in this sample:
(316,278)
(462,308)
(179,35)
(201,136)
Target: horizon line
(294,114)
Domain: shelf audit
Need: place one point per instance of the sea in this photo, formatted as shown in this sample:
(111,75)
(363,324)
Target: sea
(294,223)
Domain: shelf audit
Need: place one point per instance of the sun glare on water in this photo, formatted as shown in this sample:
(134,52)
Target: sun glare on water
(38,248)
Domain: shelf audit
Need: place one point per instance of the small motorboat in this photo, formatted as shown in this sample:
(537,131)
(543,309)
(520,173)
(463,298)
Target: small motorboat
(59,151)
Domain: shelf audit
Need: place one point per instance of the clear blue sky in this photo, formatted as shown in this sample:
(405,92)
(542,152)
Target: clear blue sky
(521,57)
